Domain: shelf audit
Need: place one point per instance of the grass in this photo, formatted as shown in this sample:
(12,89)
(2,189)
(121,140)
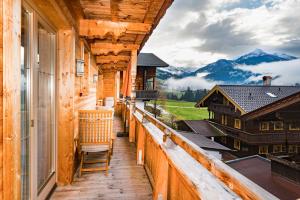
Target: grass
(184,110)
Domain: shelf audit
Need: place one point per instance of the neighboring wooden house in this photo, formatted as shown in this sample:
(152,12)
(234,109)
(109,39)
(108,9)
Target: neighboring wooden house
(257,119)
(146,86)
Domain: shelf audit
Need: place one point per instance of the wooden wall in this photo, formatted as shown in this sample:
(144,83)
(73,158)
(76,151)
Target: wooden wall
(10,72)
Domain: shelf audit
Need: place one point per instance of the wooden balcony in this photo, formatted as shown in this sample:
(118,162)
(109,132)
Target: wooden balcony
(224,109)
(125,180)
(146,94)
(262,138)
(156,164)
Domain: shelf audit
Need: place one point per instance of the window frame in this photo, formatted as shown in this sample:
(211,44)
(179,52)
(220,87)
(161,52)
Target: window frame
(237,144)
(294,147)
(224,120)
(261,126)
(293,129)
(263,152)
(239,126)
(278,129)
(278,145)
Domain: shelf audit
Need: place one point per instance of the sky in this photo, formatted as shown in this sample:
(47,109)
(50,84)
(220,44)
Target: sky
(197,32)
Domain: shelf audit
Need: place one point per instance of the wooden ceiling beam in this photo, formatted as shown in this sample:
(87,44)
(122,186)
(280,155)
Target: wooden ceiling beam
(111,59)
(106,48)
(100,28)
(119,66)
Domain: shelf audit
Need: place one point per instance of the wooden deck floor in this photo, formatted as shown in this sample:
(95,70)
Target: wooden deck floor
(125,180)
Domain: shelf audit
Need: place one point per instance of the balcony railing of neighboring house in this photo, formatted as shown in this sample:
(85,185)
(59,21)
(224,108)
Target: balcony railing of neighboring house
(228,110)
(146,94)
(261,138)
(172,162)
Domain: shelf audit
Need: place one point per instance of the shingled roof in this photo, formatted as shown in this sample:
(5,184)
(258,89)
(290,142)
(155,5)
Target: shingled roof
(249,98)
(202,141)
(150,60)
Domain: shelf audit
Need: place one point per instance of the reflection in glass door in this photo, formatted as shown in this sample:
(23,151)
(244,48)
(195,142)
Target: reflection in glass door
(45,106)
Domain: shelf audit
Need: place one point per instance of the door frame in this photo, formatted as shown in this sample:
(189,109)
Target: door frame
(37,18)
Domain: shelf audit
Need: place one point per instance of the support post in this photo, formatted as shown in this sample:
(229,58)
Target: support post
(140,145)
(99,89)
(65,104)
(133,72)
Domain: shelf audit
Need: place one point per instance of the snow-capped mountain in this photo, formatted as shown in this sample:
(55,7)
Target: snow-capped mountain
(229,71)
(259,56)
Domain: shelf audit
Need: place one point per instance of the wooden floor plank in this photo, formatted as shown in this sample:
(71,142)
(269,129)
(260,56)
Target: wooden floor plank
(125,180)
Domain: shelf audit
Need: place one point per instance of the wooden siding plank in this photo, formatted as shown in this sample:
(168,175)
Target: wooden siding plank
(11,77)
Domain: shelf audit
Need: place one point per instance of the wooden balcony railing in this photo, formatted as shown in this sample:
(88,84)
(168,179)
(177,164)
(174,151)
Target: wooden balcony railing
(146,94)
(262,138)
(179,169)
(220,108)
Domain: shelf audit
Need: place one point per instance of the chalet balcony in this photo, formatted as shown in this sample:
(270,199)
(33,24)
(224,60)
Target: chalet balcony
(220,108)
(63,57)
(157,162)
(146,94)
(262,138)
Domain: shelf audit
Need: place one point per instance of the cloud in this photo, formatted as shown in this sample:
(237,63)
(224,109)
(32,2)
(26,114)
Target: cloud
(196,82)
(221,37)
(197,32)
(287,72)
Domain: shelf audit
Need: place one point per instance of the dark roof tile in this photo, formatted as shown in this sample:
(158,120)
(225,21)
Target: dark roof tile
(251,98)
(150,60)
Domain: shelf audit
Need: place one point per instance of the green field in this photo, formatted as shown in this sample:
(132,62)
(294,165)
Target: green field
(184,110)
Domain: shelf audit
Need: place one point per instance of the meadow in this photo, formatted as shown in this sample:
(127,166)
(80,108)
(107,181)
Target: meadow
(183,110)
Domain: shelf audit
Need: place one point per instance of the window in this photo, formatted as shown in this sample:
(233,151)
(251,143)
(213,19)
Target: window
(293,149)
(237,123)
(224,119)
(277,148)
(264,126)
(283,148)
(294,126)
(278,125)
(263,149)
(237,144)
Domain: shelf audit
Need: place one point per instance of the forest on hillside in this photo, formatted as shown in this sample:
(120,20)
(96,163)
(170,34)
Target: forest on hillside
(186,95)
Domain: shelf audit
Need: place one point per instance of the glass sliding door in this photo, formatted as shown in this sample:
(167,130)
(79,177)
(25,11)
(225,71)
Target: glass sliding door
(45,106)
(38,133)
(25,112)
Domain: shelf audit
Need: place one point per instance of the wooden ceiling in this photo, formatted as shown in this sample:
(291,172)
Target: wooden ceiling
(113,28)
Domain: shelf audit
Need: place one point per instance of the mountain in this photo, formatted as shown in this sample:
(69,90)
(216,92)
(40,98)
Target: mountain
(259,56)
(175,72)
(228,71)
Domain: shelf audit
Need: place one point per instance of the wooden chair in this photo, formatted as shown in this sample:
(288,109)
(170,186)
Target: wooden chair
(95,136)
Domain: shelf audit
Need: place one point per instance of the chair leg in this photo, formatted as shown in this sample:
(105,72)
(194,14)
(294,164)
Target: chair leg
(81,163)
(112,147)
(109,157)
(107,162)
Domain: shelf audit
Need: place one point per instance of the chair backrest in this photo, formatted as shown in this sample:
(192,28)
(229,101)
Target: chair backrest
(95,126)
